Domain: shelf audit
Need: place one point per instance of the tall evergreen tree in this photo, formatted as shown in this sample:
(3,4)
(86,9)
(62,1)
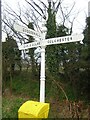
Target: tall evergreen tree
(66,54)
(11,54)
(85,63)
(31,52)
(51,53)
(10,57)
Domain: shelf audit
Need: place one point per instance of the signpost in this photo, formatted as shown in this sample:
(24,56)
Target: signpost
(51,41)
(43,43)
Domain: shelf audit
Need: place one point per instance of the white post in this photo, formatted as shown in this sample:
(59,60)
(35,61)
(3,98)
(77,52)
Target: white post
(42,76)
(42,72)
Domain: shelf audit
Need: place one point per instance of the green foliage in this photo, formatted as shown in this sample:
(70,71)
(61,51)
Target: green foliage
(11,54)
(25,88)
(73,57)
(11,106)
(23,84)
(11,57)
(51,23)
(31,52)
(51,54)
(85,62)
(62,31)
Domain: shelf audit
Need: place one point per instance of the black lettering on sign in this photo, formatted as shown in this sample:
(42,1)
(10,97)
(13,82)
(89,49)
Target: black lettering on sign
(48,41)
(55,40)
(62,39)
(23,29)
(26,45)
(51,41)
(27,31)
(65,39)
(68,38)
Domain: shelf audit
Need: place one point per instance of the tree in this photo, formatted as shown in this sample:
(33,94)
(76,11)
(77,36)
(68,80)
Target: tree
(85,61)
(66,54)
(55,54)
(36,13)
(51,33)
(11,57)
(31,53)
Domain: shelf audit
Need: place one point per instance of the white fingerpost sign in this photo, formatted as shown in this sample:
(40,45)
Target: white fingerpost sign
(27,31)
(43,43)
(57,40)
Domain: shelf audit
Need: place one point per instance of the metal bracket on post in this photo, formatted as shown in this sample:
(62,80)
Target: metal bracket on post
(81,42)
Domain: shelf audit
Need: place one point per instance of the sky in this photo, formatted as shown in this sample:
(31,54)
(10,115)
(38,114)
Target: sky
(81,5)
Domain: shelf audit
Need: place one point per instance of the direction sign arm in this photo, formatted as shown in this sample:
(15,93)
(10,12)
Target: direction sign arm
(27,31)
(66,39)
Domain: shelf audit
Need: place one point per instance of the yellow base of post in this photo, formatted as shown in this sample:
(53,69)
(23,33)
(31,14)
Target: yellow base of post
(33,109)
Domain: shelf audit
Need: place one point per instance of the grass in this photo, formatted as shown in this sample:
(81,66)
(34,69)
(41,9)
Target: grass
(24,88)
(11,105)
(57,109)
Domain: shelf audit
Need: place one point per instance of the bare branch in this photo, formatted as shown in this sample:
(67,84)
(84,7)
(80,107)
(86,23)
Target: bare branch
(43,4)
(38,6)
(14,14)
(58,84)
(70,11)
(33,8)
(57,7)
(62,14)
